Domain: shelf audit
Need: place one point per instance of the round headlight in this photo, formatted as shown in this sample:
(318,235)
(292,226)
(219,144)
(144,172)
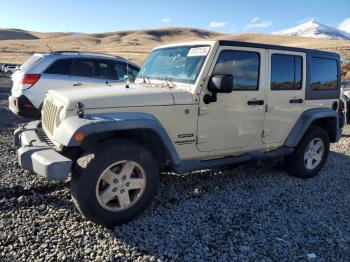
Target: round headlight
(61,115)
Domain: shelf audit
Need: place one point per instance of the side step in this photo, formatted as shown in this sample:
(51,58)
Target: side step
(192,165)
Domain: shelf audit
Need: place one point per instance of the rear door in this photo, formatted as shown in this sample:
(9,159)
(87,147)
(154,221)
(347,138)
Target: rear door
(285,94)
(87,72)
(56,76)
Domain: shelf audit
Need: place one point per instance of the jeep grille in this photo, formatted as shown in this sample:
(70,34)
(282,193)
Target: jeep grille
(50,115)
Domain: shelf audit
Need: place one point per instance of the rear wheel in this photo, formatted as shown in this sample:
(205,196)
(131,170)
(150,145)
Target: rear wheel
(310,154)
(115,182)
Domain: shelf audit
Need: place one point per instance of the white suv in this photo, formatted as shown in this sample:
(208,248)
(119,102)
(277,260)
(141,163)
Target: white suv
(62,70)
(10,69)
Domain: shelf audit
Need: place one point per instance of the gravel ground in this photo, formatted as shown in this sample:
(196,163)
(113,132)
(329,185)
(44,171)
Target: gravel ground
(5,83)
(252,212)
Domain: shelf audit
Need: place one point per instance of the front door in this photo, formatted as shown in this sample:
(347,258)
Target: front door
(235,120)
(285,94)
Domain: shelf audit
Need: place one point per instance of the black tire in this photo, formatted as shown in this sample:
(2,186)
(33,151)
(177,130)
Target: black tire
(90,167)
(295,163)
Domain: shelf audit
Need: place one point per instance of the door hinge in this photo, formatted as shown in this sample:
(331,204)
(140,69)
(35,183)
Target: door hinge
(268,108)
(203,111)
(265,133)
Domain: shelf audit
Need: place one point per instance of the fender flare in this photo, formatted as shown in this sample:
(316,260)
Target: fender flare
(305,121)
(108,122)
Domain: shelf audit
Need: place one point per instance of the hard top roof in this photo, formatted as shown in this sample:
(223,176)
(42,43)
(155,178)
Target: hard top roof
(253,45)
(276,47)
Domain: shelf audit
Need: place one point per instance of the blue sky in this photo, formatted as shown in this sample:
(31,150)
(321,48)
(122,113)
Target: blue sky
(262,16)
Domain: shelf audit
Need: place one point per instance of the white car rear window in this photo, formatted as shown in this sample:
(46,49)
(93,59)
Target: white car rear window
(30,62)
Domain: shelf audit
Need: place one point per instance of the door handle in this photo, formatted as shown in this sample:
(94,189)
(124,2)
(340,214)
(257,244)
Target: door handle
(296,101)
(77,84)
(255,102)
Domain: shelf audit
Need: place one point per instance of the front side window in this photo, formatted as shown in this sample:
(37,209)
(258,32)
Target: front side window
(60,67)
(181,64)
(133,72)
(126,72)
(286,72)
(243,65)
(324,74)
(121,70)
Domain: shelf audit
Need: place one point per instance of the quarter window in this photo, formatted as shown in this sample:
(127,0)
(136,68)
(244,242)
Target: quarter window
(243,65)
(286,72)
(60,67)
(324,74)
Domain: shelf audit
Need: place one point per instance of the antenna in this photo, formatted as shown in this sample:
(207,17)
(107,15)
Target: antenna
(47,45)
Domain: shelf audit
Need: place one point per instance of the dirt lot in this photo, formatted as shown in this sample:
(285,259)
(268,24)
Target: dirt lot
(253,212)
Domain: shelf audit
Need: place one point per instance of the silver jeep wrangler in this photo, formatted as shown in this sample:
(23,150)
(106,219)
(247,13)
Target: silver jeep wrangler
(193,106)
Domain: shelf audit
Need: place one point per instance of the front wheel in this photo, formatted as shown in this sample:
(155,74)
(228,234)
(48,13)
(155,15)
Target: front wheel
(310,154)
(115,182)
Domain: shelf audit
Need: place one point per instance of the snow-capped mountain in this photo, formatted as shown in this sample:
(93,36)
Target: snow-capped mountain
(316,30)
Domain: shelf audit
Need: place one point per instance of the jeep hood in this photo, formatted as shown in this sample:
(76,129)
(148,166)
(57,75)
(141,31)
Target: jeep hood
(120,96)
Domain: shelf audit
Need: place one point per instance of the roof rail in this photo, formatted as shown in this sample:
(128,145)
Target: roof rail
(85,53)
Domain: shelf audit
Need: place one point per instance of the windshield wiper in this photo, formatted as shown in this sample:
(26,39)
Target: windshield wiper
(169,83)
(144,79)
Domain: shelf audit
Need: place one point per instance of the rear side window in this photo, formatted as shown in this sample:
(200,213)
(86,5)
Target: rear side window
(286,72)
(84,68)
(324,74)
(104,69)
(244,66)
(60,67)
(93,68)
(30,62)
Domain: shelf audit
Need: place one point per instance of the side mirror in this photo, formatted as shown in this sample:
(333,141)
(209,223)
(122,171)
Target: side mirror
(221,83)
(218,84)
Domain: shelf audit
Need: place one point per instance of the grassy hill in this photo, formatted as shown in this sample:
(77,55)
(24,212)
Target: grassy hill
(17,45)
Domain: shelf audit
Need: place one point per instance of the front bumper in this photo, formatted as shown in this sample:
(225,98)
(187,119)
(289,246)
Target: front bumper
(35,155)
(21,106)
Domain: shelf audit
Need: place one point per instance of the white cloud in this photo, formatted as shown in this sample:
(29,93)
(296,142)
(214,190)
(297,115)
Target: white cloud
(255,19)
(166,20)
(256,22)
(345,25)
(217,24)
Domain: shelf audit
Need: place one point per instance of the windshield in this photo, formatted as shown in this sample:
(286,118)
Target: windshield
(181,63)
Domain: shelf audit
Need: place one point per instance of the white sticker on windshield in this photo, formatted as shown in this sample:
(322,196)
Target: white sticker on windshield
(199,51)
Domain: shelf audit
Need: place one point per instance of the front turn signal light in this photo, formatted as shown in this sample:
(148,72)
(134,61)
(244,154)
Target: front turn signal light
(79,136)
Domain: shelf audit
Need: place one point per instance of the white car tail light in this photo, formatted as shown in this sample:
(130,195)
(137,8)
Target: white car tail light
(28,80)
